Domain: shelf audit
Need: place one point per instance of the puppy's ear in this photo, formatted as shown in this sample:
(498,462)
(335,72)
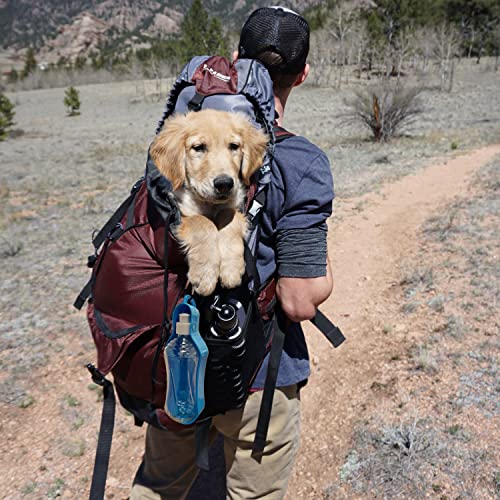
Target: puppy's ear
(168,150)
(254,144)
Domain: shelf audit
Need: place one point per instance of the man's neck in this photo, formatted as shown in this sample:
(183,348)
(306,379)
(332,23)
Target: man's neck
(280,110)
(279,105)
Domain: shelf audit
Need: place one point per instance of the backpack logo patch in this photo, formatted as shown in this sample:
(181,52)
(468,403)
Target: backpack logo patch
(218,75)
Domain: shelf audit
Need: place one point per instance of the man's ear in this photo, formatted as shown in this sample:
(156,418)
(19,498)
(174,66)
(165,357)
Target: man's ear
(168,150)
(302,75)
(254,145)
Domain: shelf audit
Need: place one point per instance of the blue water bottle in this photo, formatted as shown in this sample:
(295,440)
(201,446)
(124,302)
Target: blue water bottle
(185,359)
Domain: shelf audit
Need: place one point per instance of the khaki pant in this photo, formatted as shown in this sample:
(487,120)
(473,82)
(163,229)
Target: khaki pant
(168,468)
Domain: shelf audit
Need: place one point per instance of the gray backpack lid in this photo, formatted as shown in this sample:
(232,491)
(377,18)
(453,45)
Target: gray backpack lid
(252,92)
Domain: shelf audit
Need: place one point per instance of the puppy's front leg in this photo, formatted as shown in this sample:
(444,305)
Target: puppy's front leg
(198,237)
(232,231)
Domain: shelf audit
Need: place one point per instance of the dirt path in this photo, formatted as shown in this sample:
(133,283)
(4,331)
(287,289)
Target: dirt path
(373,236)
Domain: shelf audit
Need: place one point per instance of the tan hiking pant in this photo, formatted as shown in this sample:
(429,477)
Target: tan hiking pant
(168,468)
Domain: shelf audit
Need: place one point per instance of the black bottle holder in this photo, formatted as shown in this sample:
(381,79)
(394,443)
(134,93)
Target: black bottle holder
(234,354)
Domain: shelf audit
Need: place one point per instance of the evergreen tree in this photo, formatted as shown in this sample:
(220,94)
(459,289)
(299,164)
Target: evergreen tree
(318,15)
(193,30)
(72,101)
(216,41)
(80,62)
(13,75)
(476,20)
(29,63)
(387,19)
(62,63)
(200,34)
(6,116)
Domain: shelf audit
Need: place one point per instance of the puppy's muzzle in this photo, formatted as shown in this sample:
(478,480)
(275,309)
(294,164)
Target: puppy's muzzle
(223,184)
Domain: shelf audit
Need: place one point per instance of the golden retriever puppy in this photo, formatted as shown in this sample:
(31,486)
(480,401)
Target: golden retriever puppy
(209,157)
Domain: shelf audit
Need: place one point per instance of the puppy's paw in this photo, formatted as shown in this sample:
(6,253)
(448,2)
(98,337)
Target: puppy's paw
(231,272)
(203,280)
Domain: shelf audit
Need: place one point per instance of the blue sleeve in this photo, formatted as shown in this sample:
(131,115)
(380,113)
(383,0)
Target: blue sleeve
(307,192)
(300,199)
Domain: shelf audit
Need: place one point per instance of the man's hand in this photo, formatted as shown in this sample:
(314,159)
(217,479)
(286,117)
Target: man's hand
(299,297)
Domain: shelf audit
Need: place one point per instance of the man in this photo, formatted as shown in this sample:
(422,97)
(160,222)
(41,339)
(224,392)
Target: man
(293,247)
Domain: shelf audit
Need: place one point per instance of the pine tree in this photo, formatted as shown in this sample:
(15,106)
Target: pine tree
(201,34)
(13,75)
(216,41)
(72,101)
(80,62)
(193,30)
(476,20)
(6,116)
(29,63)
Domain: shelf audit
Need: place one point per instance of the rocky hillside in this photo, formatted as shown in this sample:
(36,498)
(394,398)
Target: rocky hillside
(38,23)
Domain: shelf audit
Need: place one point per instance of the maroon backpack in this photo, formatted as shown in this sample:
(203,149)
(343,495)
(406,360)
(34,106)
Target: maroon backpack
(130,306)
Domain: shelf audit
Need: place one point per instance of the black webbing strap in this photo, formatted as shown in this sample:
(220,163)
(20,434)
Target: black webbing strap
(201,434)
(116,217)
(166,324)
(83,295)
(251,267)
(328,329)
(108,229)
(270,384)
(105,435)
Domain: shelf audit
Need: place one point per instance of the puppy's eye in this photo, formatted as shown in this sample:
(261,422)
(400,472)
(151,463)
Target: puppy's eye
(233,146)
(199,148)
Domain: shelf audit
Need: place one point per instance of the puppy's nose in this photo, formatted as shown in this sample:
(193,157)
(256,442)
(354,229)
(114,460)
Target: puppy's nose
(223,184)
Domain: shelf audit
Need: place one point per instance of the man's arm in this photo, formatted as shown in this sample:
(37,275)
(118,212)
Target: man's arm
(299,297)
(300,239)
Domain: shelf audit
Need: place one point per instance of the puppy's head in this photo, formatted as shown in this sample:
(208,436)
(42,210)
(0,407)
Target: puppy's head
(210,152)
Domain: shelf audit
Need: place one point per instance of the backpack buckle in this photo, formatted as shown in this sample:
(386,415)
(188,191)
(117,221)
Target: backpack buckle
(97,376)
(91,260)
(116,232)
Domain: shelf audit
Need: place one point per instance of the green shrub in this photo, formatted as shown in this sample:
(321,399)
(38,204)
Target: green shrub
(6,116)
(72,101)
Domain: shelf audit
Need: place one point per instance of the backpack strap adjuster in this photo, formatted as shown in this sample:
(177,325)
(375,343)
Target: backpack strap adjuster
(196,102)
(97,377)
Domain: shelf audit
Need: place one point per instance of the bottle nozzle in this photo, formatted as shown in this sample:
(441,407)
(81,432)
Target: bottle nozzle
(183,318)
(183,325)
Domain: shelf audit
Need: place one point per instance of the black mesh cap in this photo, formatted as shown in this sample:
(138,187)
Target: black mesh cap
(278,30)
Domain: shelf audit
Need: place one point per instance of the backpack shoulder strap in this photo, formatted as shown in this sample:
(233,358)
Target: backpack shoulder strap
(281,134)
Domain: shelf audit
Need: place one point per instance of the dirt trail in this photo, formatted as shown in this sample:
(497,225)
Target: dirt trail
(372,237)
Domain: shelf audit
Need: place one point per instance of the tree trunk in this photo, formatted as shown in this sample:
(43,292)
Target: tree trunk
(452,75)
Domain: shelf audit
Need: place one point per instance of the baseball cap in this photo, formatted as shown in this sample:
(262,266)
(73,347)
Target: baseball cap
(279,30)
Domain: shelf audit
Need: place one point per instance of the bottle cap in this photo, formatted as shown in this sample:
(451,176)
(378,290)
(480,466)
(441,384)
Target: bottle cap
(183,318)
(182,328)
